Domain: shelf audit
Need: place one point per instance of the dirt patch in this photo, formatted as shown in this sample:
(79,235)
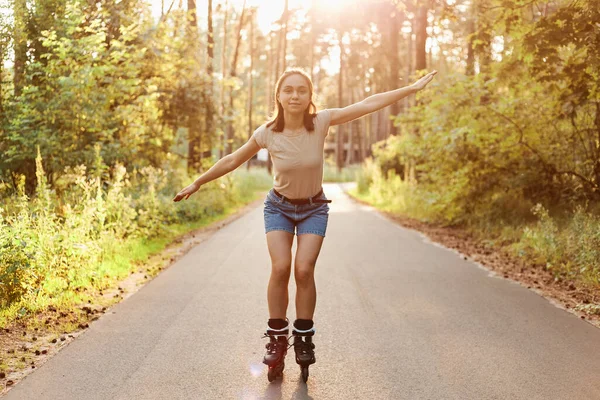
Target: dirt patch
(27,344)
(565,294)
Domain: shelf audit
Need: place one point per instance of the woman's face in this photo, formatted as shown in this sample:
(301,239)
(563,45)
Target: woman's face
(294,94)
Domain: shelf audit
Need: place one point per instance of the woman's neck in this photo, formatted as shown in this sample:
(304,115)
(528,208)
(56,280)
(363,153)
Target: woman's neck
(293,121)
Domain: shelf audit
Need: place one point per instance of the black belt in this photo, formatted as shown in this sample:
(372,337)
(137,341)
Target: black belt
(313,199)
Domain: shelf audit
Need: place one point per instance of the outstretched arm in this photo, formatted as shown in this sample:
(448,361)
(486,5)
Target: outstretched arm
(222,167)
(377,101)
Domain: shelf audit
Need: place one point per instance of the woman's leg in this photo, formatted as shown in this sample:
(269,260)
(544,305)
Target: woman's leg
(309,246)
(280,250)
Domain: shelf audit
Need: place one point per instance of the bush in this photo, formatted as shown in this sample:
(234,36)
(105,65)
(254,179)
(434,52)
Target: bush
(57,240)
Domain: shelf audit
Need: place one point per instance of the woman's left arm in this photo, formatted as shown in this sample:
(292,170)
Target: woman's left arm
(377,101)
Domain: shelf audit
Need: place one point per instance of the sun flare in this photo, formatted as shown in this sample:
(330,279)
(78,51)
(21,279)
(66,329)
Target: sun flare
(268,11)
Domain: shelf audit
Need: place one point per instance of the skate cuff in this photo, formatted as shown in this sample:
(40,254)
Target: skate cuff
(308,332)
(278,332)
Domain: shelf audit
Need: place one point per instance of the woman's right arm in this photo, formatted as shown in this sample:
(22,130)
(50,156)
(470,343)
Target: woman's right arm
(225,165)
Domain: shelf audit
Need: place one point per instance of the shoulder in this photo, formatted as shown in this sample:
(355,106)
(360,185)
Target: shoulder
(261,135)
(322,121)
(323,116)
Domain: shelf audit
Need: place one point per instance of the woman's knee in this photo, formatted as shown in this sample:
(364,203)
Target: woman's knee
(304,273)
(280,270)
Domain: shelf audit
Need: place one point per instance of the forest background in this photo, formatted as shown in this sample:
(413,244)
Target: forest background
(108,108)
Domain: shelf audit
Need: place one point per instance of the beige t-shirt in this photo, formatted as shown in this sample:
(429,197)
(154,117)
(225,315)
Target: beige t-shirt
(297,157)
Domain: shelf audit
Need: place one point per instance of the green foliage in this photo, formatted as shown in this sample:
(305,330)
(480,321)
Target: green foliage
(393,194)
(478,145)
(565,52)
(332,174)
(94,87)
(56,241)
(569,249)
(510,152)
(17,272)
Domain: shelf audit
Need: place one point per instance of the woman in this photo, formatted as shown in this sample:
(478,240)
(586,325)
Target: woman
(296,205)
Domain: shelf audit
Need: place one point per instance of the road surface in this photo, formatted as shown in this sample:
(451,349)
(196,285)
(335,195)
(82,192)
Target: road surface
(397,318)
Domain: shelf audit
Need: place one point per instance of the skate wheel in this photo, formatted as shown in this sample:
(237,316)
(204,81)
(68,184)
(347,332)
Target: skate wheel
(305,374)
(275,372)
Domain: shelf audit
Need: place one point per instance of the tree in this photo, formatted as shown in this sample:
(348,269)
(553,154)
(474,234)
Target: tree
(4,43)
(209,118)
(421,38)
(192,104)
(223,74)
(251,79)
(233,75)
(284,31)
(340,128)
(394,53)
(20,45)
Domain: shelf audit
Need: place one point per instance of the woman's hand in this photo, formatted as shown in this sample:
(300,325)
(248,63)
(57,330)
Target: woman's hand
(421,83)
(187,192)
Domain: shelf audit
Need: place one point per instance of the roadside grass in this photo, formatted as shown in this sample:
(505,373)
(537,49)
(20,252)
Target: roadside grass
(117,259)
(37,326)
(564,242)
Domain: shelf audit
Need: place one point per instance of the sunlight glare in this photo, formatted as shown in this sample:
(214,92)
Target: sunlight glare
(268,11)
(256,370)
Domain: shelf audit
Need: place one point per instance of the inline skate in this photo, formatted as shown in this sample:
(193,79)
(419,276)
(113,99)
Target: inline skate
(276,351)
(304,349)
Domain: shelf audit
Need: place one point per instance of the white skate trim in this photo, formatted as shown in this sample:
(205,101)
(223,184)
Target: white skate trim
(301,331)
(279,330)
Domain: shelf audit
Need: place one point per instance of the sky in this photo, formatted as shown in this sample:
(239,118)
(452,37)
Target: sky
(268,10)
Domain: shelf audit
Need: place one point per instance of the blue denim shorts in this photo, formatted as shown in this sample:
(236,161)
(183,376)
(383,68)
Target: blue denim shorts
(281,215)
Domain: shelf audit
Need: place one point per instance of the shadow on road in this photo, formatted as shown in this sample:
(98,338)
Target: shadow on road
(273,391)
(301,392)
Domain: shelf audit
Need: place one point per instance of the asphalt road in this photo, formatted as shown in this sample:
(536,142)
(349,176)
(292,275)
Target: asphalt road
(397,318)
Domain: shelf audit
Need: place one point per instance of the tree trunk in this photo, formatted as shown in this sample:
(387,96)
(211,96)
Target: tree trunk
(278,56)
(286,16)
(470,70)
(233,74)
(350,141)
(270,89)
(271,77)
(20,45)
(369,129)
(312,41)
(394,32)
(193,99)
(340,130)
(209,119)
(1,81)
(251,82)
(597,155)
(421,39)
(409,62)
(363,132)
(223,74)
(381,125)
(484,36)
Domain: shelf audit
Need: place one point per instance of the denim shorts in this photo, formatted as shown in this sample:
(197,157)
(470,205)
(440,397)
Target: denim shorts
(281,215)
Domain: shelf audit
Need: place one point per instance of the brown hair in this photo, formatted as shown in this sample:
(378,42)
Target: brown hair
(310,112)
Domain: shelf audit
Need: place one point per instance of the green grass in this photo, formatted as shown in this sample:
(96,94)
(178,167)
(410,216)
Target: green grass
(119,258)
(566,243)
(348,174)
